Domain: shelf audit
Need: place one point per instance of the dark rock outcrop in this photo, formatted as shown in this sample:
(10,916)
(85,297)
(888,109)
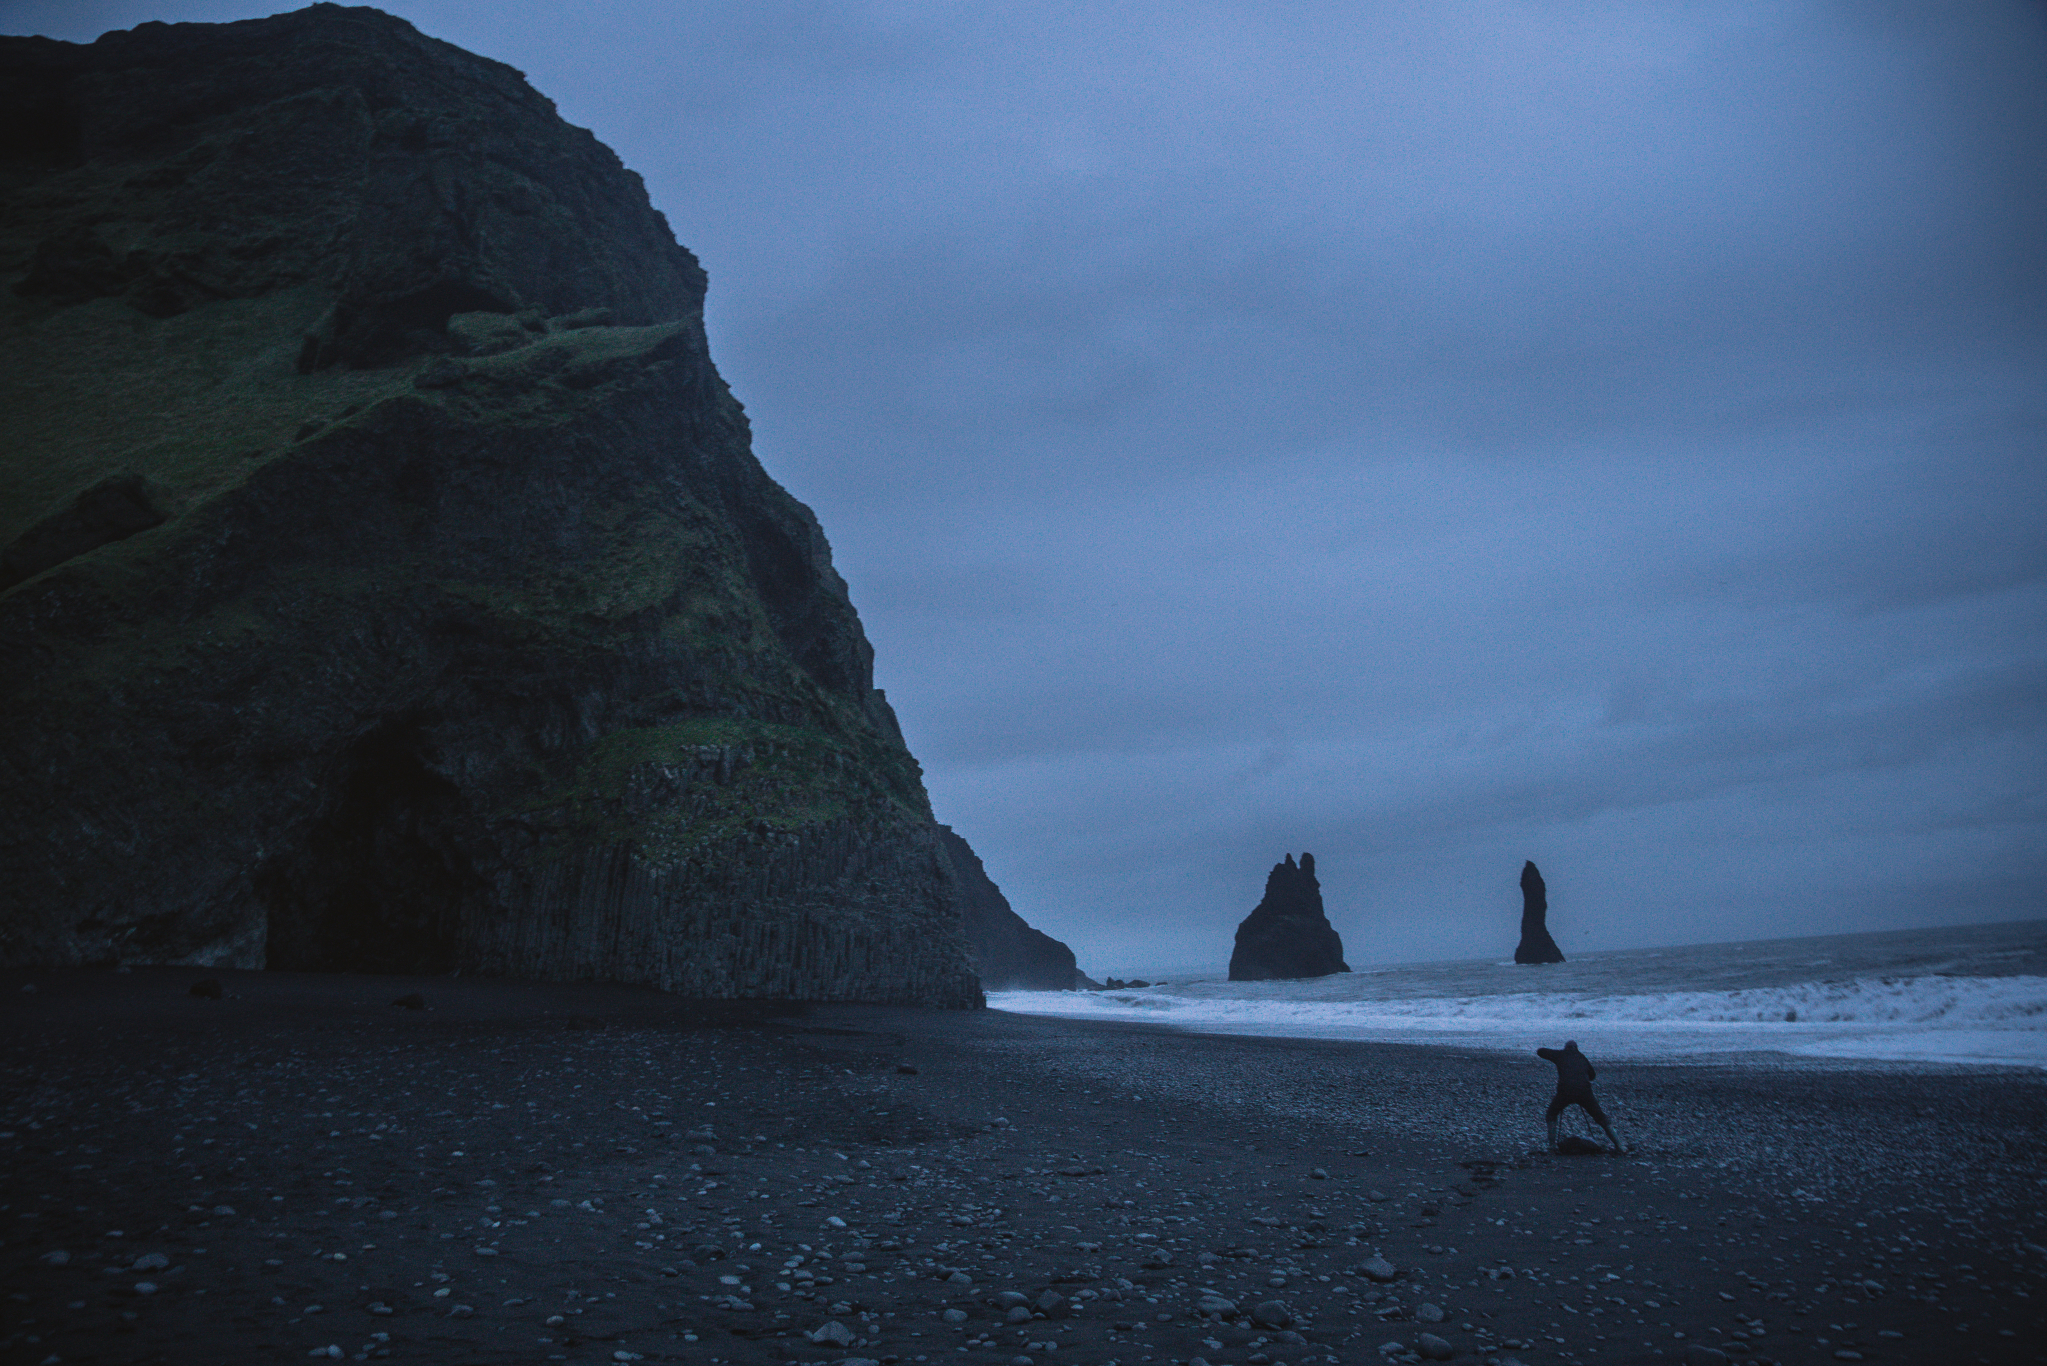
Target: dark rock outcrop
(1288,935)
(1536,946)
(1007,954)
(388,582)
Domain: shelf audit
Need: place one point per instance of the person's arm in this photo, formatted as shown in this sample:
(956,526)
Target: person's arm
(1590,1070)
(1547,1054)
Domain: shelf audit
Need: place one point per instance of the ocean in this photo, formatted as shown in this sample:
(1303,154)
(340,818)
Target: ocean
(1968,994)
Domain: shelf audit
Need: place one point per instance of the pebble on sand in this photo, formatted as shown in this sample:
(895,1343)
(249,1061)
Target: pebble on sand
(834,1334)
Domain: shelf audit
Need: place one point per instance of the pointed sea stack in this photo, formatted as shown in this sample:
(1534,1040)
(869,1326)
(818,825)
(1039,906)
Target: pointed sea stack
(1536,946)
(1288,936)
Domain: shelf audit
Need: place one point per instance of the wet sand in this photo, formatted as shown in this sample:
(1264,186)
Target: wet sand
(524,1173)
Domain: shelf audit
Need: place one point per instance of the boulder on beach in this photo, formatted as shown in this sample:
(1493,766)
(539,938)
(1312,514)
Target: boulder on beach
(1287,935)
(1536,946)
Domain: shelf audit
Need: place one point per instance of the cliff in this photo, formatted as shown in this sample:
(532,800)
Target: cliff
(1007,953)
(1287,934)
(1536,946)
(388,581)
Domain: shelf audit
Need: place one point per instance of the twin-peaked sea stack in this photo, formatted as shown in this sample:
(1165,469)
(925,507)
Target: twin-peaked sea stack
(1287,935)
(1536,946)
(386,579)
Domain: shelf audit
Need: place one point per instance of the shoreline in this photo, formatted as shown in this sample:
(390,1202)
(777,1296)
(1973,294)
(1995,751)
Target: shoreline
(456,1177)
(1490,1040)
(1975,997)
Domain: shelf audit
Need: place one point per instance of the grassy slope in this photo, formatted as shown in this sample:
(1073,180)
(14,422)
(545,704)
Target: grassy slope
(201,401)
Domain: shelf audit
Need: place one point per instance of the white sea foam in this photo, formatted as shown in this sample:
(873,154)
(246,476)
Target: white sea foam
(1930,1018)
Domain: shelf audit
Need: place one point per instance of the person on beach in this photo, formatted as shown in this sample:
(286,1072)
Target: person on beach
(1574,1087)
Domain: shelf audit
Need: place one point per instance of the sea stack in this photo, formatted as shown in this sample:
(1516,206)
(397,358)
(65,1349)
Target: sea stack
(1287,935)
(387,583)
(1536,945)
(1007,954)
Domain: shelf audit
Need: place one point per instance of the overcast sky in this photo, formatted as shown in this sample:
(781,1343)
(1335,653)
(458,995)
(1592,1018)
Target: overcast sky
(1431,435)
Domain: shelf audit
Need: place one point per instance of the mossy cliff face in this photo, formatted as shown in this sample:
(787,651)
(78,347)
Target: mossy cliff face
(387,580)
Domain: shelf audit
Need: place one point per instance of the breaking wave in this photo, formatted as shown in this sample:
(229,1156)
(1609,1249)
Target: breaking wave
(1922,1018)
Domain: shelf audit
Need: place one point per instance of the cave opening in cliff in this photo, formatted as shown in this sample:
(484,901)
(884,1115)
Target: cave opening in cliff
(379,882)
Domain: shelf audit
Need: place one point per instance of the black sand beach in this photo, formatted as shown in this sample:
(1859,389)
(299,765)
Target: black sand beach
(524,1173)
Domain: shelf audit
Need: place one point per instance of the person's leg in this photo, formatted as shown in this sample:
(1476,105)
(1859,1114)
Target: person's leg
(1556,1107)
(1599,1118)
